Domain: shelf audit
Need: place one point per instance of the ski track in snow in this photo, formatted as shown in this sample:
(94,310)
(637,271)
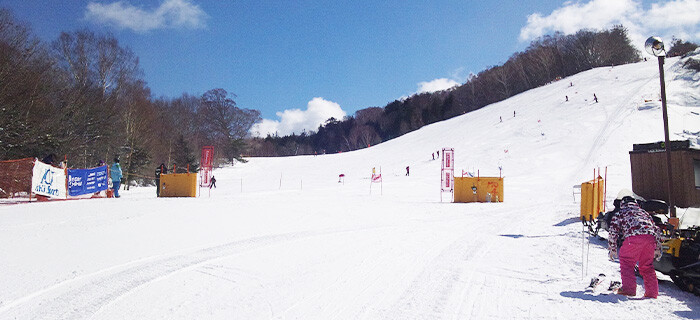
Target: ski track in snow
(83,297)
(454,283)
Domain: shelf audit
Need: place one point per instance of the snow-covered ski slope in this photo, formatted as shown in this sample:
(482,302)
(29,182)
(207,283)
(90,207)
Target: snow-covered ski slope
(281,238)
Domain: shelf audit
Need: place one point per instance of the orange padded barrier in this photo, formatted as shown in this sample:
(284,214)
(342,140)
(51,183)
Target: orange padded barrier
(178,185)
(592,193)
(488,189)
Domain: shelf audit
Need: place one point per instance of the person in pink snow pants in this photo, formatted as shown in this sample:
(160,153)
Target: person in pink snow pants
(641,244)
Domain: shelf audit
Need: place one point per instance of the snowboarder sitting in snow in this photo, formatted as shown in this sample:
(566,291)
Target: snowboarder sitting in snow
(641,244)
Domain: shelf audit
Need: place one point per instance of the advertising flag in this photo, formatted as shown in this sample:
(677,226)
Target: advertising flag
(447,181)
(448,169)
(206,166)
(448,159)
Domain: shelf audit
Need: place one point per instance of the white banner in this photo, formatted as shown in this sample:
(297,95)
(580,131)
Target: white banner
(48,180)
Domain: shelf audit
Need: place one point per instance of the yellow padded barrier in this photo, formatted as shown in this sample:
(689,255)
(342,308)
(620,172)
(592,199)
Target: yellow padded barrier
(178,185)
(485,187)
(592,193)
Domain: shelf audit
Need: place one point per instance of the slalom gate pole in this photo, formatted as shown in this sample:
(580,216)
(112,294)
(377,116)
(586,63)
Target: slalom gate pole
(597,191)
(30,188)
(381,182)
(588,251)
(65,172)
(605,189)
(583,229)
(594,204)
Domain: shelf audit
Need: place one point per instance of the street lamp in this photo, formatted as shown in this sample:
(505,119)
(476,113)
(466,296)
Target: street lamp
(655,47)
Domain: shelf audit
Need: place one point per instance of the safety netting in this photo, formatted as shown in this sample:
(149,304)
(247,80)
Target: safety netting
(16,178)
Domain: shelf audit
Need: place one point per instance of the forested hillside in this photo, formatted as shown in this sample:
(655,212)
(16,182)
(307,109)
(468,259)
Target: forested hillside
(545,60)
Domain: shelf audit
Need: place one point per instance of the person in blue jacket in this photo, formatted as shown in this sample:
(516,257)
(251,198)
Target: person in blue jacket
(116,174)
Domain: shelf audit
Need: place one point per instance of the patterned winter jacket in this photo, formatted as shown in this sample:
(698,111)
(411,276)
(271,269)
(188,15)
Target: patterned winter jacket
(631,221)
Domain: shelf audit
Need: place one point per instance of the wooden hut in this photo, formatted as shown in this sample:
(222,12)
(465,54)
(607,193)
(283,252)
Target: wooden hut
(649,175)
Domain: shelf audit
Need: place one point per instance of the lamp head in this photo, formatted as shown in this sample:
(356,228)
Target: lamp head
(655,46)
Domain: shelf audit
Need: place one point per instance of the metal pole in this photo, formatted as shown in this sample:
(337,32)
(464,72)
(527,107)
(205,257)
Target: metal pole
(605,189)
(667,141)
(583,250)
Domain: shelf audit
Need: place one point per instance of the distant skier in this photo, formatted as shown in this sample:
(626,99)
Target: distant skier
(595,98)
(641,244)
(213,182)
(513,113)
(433,155)
(567,98)
(438,154)
(407,171)
(501,118)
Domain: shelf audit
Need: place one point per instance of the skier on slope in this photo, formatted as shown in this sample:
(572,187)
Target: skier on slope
(641,244)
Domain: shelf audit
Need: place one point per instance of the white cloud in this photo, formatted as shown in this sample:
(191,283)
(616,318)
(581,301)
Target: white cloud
(170,14)
(675,14)
(318,110)
(575,16)
(436,85)
(680,18)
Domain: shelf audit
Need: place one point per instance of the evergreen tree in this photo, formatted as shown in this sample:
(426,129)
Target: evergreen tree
(680,47)
(183,156)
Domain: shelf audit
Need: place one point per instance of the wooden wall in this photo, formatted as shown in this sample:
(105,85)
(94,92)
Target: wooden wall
(649,176)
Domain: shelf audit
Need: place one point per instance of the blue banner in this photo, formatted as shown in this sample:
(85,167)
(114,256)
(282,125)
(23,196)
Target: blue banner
(85,181)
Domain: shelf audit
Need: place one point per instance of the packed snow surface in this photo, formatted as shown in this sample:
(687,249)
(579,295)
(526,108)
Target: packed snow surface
(281,238)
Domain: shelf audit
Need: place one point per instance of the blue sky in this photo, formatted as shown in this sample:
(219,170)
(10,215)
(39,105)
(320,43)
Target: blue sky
(300,62)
